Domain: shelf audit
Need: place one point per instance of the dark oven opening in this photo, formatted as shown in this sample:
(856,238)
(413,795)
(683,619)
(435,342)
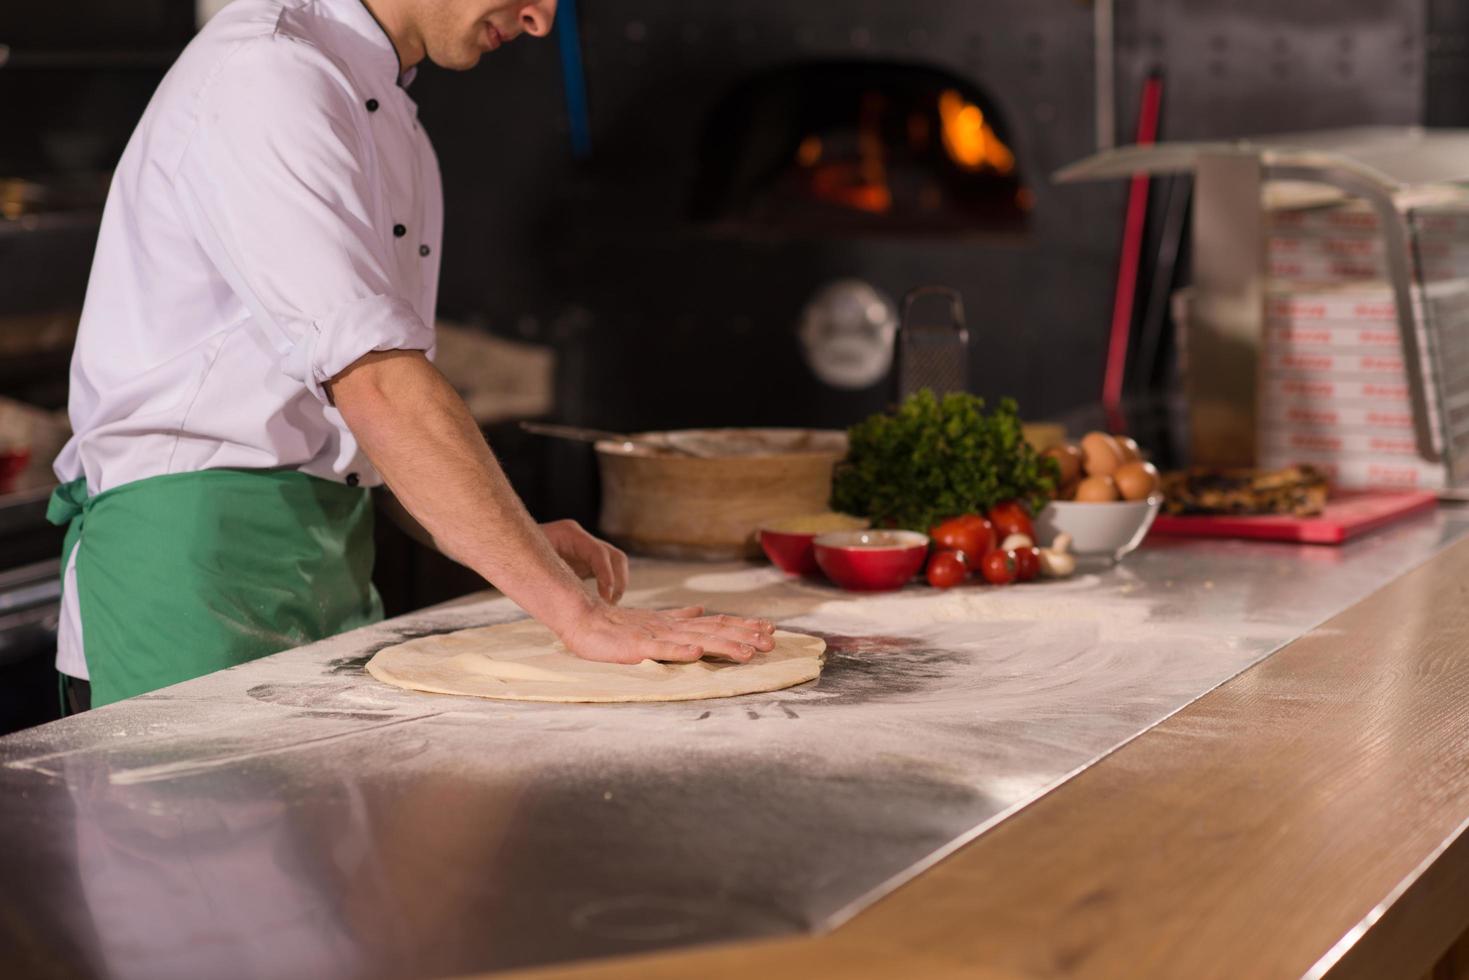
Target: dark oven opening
(858,147)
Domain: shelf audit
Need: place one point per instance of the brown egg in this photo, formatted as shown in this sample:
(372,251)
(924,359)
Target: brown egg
(1096,490)
(1068,457)
(1100,455)
(1128,446)
(1136,480)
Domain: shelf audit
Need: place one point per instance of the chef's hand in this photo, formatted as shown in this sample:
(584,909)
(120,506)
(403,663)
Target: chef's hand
(589,556)
(628,636)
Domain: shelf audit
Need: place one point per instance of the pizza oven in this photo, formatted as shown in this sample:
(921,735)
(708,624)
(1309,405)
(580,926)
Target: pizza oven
(858,148)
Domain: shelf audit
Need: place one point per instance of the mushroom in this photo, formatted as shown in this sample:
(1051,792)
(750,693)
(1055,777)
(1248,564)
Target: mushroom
(1057,561)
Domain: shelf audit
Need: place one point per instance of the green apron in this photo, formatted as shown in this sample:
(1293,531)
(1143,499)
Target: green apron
(188,573)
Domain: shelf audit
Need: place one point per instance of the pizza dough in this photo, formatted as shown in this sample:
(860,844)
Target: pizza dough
(524,661)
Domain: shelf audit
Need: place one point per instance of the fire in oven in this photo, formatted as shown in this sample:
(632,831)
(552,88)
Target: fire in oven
(858,146)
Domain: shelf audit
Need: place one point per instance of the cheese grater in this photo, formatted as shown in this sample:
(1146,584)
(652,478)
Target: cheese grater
(933,343)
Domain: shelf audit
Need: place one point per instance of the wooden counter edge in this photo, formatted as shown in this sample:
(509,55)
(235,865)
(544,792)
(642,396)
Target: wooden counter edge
(1306,818)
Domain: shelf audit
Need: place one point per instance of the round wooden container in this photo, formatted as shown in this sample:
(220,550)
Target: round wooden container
(673,505)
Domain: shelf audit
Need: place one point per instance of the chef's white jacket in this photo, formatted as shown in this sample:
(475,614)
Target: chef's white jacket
(276,215)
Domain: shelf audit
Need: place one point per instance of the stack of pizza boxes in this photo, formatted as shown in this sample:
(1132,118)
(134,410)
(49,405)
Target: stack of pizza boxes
(1343,242)
(1333,388)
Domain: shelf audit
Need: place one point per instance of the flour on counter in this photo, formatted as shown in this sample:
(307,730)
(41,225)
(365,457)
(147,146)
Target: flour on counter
(937,714)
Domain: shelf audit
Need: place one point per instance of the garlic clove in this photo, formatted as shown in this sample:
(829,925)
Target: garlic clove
(1057,564)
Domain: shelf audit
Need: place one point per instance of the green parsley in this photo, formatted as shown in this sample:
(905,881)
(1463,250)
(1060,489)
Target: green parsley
(933,458)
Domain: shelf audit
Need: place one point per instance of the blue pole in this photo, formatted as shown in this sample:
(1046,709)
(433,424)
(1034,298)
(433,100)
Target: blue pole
(574,80)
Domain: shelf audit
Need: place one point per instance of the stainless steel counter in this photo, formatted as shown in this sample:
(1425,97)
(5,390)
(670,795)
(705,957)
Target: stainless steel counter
(293,817)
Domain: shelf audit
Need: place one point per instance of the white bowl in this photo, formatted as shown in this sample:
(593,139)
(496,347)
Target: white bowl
(1098,530)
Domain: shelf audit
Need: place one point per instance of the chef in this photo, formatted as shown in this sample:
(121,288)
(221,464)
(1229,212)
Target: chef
(255,353)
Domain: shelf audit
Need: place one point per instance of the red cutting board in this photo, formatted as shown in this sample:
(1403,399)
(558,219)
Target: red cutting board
(1346,516)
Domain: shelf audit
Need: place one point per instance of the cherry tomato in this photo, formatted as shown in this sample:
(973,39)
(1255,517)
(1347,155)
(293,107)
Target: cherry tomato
(985,529)
(998,567)
(947,569)
(963,534)
(1027,563)
(1010,517)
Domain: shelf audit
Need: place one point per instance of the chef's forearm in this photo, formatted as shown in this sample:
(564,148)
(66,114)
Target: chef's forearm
(419,434)
(393,508)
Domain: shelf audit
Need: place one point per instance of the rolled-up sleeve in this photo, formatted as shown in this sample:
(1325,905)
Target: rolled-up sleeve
(278,184)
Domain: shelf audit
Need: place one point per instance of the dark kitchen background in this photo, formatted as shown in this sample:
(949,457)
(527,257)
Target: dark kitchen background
(658,196)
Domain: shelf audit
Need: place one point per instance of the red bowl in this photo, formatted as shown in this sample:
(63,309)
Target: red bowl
(871,561)
(790,551)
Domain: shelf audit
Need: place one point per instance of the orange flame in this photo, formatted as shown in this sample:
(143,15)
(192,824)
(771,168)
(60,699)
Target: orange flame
(969,140)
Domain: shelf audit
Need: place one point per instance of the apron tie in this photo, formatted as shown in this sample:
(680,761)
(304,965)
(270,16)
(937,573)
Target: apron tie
(67,501)
(66,508)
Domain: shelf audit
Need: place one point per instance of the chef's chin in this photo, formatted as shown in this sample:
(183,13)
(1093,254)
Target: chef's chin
(459,57)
